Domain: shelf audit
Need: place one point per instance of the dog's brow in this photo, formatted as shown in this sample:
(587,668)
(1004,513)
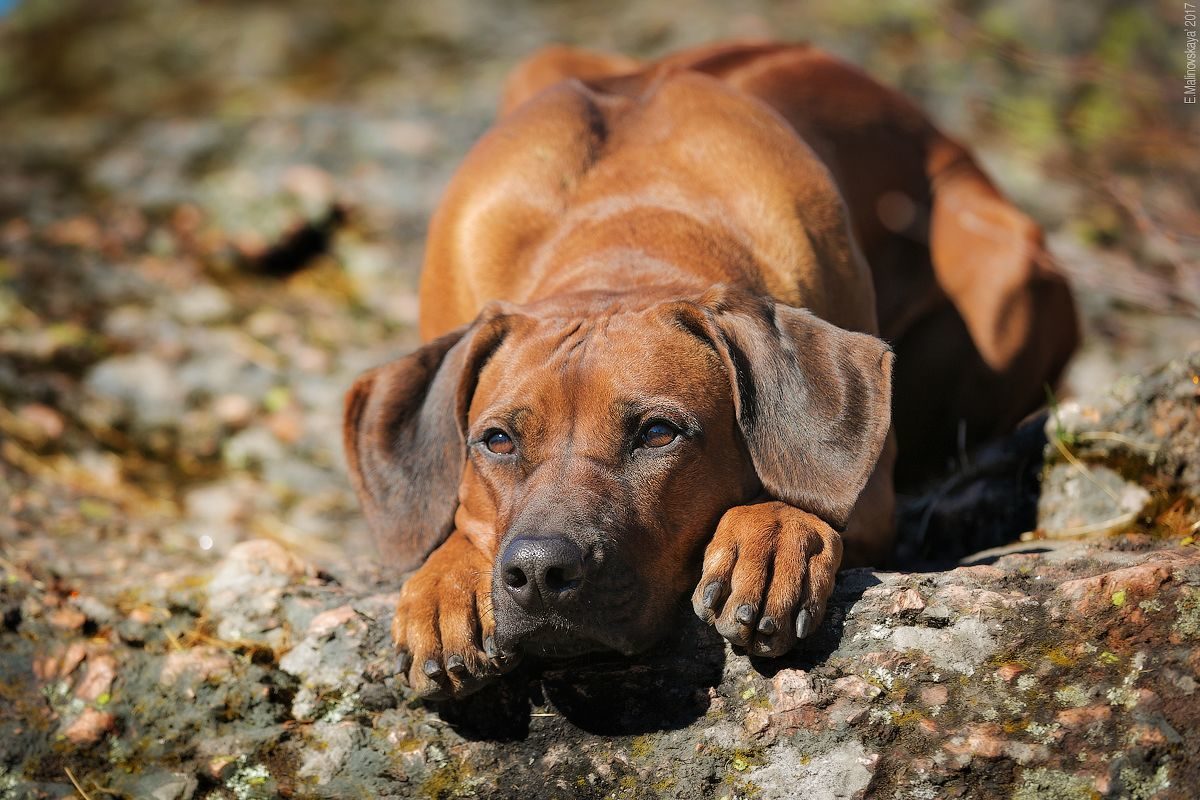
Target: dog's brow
(634,410)
(688,321)
(511,418)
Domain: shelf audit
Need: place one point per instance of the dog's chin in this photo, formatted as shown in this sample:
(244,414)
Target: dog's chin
(560,639)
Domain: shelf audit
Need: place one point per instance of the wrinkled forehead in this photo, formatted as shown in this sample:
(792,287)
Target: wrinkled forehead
(598,364)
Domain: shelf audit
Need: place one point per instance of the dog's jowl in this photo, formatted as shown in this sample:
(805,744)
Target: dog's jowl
(688,324)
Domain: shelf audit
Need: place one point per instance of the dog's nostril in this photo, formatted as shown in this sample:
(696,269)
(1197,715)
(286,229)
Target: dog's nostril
(540,571)
(562,578)
(514,577)
(556,579)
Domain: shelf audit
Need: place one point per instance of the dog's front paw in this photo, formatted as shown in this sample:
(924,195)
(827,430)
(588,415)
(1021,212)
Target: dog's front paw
(444,628)
(768,573)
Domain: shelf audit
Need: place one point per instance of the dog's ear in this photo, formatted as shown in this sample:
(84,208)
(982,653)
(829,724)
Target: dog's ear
(813,400)
(404,439)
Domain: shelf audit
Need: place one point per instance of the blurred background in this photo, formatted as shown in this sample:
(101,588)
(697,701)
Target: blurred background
(212,215)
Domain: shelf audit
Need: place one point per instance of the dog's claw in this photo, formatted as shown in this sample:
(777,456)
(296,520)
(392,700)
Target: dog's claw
(804,624)
(439,625)
(403,662)
(712,593)
(489,648)
(745,614)
(767,626)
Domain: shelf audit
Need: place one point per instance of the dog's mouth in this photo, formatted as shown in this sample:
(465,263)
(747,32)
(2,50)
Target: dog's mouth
(553,636)
(606,611)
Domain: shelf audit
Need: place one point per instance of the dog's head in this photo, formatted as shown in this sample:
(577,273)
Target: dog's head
(593,448)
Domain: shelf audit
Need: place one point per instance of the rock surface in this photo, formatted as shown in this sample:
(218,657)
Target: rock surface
(1051,668)
(1072,665)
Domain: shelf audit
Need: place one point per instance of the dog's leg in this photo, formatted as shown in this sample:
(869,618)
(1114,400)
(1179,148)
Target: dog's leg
(767,575)
(444,627)
(972,366)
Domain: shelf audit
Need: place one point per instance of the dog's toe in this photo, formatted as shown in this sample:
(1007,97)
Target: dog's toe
(443,634)
(767,574)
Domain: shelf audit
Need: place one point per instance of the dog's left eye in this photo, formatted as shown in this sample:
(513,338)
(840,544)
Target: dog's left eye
(658,434)
(499,443)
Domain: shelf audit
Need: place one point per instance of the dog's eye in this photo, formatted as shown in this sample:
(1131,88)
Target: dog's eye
(658,434)
(499,443)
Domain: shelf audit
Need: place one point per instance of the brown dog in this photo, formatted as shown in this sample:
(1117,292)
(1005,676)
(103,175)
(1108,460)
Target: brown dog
(653,297)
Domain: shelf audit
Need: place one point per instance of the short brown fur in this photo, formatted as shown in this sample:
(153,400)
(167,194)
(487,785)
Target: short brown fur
(720,241)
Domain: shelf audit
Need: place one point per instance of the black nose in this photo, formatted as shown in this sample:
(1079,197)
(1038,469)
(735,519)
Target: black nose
(540,572)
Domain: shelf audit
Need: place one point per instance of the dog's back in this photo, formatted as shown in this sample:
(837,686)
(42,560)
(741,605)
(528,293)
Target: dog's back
(979,316)
(666,176)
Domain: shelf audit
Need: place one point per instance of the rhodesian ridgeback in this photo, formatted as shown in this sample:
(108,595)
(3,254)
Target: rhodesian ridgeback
(688,323)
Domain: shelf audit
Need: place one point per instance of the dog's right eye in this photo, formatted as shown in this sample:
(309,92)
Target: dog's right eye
(499,443)
(658,434)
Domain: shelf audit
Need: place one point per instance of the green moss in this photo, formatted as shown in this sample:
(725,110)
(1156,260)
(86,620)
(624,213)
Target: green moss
(1031,119)
(1188,607)
(1072,696)
(641,747)
(1051,784)
(95,510)
(1100,225)
(250,781)
(277,398)
(740,760)
(1099,117)
(447,781)
(408,744)
(898,691)
(1126,29)
(910,717)
(1002,22)
(1140,786)
(1060,657)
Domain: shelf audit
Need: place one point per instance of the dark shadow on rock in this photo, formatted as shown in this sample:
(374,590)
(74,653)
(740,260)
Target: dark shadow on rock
(989,503)
(663,689)
(814,650)
(1032,549)
(498,712)
(606,694)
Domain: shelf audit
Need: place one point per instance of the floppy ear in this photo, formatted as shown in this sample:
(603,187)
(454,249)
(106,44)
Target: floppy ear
(404,441)
(813,400)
